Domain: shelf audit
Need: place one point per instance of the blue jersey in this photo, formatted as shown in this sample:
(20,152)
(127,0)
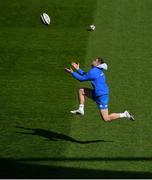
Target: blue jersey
(97,78)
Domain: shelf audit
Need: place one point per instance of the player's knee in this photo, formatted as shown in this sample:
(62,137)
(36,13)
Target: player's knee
(106,118)
(81,91)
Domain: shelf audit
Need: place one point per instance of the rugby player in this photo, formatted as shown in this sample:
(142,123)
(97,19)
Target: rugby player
(100,91)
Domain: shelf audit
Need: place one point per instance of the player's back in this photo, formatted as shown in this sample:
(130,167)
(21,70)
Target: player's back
(99,83)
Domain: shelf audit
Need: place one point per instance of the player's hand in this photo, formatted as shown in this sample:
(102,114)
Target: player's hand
(70,70)
(75,65)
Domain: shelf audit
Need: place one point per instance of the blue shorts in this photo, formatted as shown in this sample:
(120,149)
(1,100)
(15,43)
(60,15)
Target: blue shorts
(102,101)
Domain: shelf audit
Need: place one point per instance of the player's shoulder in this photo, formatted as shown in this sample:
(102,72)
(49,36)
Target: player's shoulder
(94,71)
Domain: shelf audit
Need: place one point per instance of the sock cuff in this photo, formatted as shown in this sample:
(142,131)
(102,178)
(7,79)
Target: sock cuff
(122,115)
(81,105)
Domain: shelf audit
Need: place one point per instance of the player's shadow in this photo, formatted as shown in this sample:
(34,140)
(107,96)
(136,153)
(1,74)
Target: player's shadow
(54,136)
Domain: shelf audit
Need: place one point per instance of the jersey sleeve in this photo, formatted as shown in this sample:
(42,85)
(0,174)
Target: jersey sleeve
(88,76)
(80,71)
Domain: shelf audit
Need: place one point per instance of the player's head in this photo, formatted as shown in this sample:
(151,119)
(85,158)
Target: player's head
(97,61)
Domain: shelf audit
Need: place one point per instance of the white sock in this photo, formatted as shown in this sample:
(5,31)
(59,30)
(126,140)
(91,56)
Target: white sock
(122,115)
(81,107)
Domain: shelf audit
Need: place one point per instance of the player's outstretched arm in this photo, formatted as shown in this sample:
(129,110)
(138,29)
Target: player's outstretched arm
(88,76)
(77,67)
(76,75)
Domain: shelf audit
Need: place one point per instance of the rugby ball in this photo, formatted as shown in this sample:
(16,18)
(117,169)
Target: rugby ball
(45,18)
(92,27)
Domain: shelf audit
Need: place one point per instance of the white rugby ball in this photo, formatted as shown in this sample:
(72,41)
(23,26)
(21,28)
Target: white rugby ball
(45,18)
(92,27)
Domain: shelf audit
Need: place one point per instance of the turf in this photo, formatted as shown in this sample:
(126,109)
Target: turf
(39,137)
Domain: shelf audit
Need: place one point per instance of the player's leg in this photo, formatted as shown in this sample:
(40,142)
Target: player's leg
(102,103)
(108,117)
(114,116)
(82,93)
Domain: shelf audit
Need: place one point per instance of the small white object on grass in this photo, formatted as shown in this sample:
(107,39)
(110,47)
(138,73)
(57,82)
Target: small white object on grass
(92,27)
(45,18)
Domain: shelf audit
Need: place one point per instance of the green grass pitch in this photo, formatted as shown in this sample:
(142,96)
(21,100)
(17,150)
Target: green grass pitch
(39,138)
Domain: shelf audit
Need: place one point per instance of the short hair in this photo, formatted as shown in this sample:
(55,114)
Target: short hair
(100,60)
